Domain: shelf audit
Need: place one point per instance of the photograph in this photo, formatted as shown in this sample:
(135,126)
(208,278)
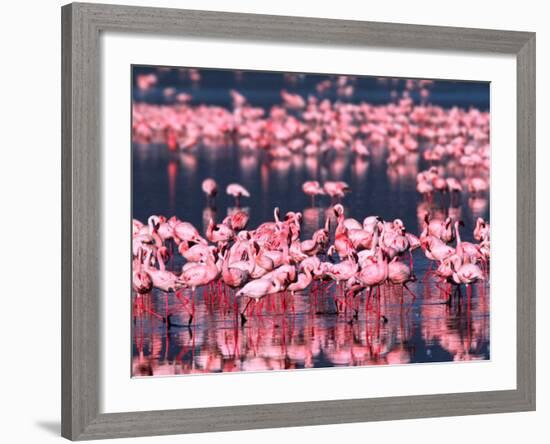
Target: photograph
(289,221)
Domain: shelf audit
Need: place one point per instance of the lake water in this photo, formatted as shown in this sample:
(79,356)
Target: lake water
(304,331)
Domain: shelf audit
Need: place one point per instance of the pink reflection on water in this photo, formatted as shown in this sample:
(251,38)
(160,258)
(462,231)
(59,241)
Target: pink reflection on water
(305,332)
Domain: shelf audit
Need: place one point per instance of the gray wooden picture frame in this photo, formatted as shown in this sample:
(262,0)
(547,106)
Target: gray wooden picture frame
(81,232)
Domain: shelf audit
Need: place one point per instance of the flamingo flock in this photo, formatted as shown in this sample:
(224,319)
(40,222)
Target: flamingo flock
(316,126)
(352,255)
(318,259)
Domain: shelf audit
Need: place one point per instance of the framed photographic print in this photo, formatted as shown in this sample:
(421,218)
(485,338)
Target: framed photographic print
(277,221)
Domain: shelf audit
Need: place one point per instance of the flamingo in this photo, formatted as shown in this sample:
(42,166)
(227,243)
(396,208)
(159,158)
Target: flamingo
(237,191)
(466,250)
(482,230)
(142,282)
(164,280)
(237,273)
(237,220)
(303,280)
(219,233)
(199,275)
(336,190)
(400,274)
(312,188)
(436,249)
(186,232)
(210,188)
(477,186)
(257,289)
(375,272)
(465,273)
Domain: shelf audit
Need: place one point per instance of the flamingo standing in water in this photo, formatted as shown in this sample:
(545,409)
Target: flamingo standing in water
(141,280)
(482,230)
(210,188)
(400,274)
(467,274)
(237,191)
(312,188)
(257,289)
(303,280)
(336,190)
(199,275)
(374,272)
(455,187)
(236,274)
(468,252)
(166,281)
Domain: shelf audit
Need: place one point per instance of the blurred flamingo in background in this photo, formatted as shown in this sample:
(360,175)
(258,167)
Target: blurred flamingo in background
(237,191)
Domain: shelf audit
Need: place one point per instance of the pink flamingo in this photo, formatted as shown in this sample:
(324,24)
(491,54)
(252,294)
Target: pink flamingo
(400,274)
(482,230)
(210,188)
(141,280)
(342,242)
(257,289)
(436,249)
(466,274)
(466,250)
(237,220)
(219,233)
(237,191)
(312,188)
(336,190)
(186,232)
(303,281)
(236,274)
(477,186)
(166,281)
(454,186)
(199,275)
(375,272)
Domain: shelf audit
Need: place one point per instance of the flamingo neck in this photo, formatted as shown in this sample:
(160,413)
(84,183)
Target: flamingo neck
(147,263)
(162,266)
(457,231)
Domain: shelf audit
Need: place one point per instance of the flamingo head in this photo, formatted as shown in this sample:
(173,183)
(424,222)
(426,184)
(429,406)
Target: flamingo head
(256,247)
(398,224)
(154,223)
(338,210)
(427,218)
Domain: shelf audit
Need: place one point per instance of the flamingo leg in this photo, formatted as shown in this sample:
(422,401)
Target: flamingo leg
(243,317)
(142,306)
(410,292)
(192,307)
